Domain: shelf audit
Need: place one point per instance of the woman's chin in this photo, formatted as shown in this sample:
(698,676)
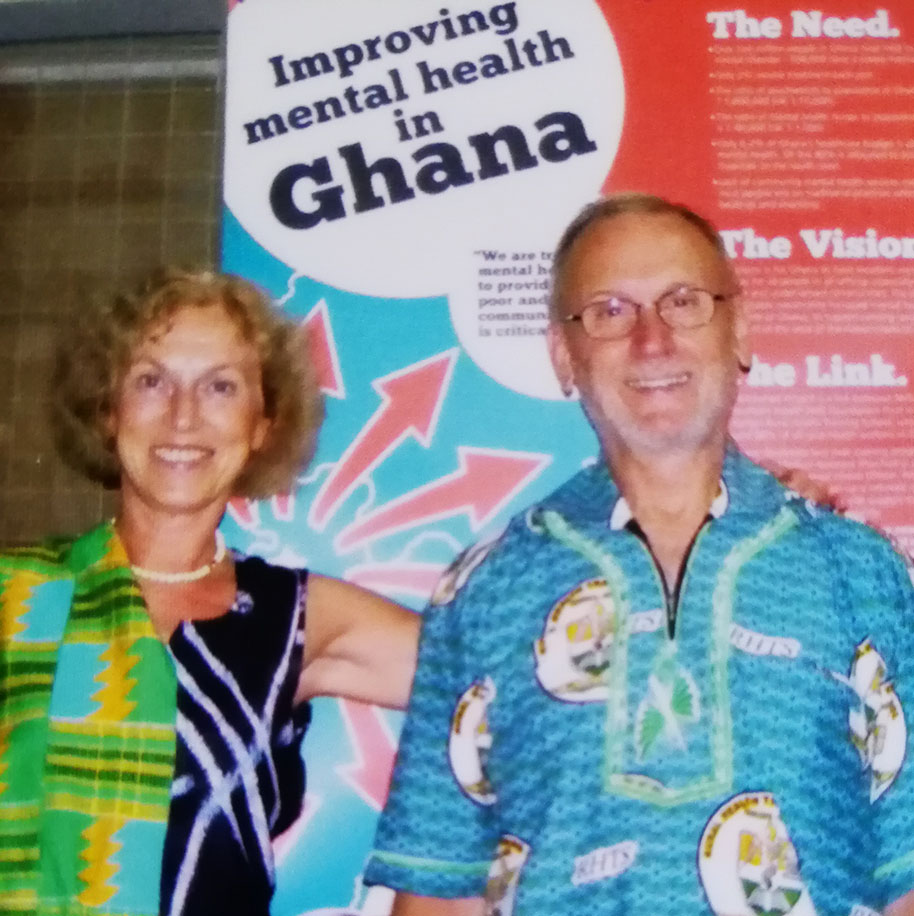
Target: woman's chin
(176,500)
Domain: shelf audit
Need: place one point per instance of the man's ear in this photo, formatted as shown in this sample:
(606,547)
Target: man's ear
(741,345)
(561,358)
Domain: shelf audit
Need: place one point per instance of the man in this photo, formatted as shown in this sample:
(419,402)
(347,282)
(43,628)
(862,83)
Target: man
(670,688)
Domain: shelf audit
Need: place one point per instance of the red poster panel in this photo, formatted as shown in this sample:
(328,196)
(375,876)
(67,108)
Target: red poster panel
(794,129)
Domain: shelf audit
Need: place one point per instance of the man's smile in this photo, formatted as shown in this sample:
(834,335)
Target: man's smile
(660,382)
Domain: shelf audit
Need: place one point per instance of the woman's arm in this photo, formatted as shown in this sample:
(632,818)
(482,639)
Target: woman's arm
(412,905)
(358,645)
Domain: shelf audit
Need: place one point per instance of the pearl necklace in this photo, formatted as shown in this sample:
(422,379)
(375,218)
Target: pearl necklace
(175,578)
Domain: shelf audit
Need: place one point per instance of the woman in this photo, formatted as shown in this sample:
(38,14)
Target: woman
(152,684)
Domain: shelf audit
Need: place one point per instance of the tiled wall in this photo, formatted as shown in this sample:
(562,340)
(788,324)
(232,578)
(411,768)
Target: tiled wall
(109,166)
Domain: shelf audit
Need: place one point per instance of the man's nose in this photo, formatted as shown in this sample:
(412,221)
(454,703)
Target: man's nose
(651,334)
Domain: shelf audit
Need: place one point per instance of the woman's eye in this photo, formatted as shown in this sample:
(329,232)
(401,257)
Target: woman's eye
(224,386)
(148,381)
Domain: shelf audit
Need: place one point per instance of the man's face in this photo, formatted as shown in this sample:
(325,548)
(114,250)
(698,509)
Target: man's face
(658,390)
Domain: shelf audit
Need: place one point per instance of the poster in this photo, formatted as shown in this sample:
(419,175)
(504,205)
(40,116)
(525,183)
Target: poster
(397,174)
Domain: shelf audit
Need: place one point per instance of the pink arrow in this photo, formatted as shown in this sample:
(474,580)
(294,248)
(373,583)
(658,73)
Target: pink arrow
(418,579)
(411,400)
(324,354)
(485,481)
(374,749)
(283,506)
(245,512)
(285,843)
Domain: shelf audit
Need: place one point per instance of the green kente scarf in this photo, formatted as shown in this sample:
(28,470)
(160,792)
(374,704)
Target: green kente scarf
(87,742)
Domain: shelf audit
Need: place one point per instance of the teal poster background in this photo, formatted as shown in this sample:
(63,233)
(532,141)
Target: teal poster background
(540,444)
(426,312)
(396,176)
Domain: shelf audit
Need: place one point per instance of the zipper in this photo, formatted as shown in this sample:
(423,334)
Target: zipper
(670,599)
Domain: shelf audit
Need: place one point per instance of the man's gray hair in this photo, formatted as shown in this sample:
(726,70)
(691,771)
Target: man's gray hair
(622,204)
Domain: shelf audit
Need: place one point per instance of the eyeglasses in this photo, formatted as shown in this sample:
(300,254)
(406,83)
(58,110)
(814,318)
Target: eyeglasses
(682,309)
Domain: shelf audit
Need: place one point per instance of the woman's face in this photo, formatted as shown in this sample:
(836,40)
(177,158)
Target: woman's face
(189,412)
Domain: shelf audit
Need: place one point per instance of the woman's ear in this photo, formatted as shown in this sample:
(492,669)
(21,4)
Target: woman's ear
(108,426)
(261,433)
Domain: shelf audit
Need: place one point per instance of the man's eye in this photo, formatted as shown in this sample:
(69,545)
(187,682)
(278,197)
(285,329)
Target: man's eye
(613,308)
(682,299)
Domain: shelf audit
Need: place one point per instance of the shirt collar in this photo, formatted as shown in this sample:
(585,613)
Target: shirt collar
(621,514)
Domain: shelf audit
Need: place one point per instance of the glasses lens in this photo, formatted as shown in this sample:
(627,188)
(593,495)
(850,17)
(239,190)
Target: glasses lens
(613,317)
(686,307)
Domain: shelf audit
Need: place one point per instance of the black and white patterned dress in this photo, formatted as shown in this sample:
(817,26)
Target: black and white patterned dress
(239,777)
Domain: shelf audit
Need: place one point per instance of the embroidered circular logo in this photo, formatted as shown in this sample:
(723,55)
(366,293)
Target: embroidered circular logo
(455,576)
(470,740)
(747,863)
(877,725)
(504,875)
(572,655)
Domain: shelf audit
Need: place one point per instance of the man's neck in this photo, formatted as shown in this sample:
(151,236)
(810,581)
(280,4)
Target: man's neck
(669,496)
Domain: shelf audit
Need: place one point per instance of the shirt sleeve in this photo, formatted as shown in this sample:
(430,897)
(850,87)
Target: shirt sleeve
(882,674)
(437,834)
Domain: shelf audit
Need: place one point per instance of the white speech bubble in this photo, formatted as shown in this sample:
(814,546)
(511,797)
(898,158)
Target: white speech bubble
(314,89)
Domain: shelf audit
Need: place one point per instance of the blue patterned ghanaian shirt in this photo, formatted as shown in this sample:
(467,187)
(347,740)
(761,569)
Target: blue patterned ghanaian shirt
(565,753)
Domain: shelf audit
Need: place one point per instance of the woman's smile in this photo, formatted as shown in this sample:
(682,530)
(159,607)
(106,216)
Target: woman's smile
(189,412)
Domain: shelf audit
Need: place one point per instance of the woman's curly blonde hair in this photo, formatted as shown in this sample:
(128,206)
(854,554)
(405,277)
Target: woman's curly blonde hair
(92,361)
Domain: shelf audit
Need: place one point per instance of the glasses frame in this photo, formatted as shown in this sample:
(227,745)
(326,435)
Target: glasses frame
(639,307)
